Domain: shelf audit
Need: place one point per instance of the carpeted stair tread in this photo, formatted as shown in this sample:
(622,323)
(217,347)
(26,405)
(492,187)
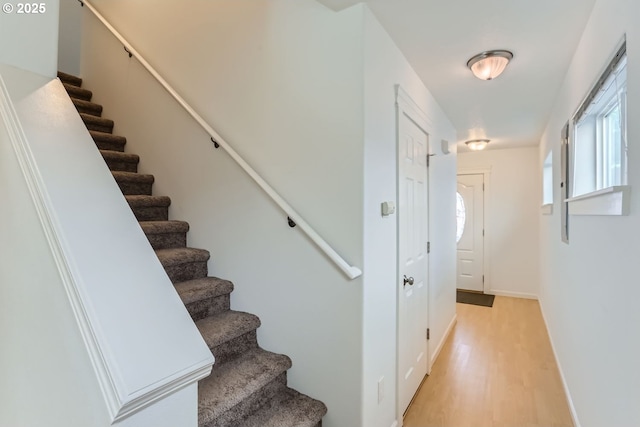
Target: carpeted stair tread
(206,287)
(87,107)
(144,201)
(232,383)
(96,123)
(119,156)
(225,326)
(161,227)
(108,141)
(288,409)
(78,92)
(177,256)
(69,79)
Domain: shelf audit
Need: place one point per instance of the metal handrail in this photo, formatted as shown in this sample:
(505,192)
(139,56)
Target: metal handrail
(350,271)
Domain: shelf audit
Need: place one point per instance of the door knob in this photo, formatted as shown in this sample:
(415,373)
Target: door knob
(408,280)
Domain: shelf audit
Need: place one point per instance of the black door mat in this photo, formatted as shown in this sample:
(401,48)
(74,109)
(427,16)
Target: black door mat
(474,298)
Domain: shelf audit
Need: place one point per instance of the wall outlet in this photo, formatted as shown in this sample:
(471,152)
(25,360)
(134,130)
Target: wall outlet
(380,389)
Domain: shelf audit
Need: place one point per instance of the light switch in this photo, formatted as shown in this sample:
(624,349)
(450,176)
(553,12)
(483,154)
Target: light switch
(388,208)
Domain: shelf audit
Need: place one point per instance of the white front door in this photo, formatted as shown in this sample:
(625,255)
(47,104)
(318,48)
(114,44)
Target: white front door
(470,260)
(413,262)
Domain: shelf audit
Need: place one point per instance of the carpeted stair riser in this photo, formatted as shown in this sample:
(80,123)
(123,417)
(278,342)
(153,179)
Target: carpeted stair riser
(247,387)
(299,410)
(77,92)
(232,349)
(186,271)
(87,107)
(229,334)
(133,183)
(182,264)
(235,390)
(205,297)
(236,416)
(70,79)
(107,141)
(166,234)
(167,240)
(149,208)
(239,414)
(97,124)
(117,161)
(208,307)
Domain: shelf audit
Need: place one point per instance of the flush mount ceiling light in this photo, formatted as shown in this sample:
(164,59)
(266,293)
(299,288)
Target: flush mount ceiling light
(490,64)
(477,144)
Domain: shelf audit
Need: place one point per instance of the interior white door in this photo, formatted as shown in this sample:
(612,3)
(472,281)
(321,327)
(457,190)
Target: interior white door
(413,263)
(470,260)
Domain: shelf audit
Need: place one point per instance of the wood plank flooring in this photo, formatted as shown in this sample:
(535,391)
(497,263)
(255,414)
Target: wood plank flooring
(496,370)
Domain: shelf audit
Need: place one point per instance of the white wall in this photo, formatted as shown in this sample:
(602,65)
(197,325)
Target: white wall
(589,287)
(385,67)
(70,37)
(30,41)
(512,210)
(282,82)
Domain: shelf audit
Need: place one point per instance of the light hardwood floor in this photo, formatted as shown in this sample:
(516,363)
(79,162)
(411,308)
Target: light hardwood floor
(496,370)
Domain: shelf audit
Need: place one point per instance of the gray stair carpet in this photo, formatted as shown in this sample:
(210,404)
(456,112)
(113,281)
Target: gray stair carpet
(248,385)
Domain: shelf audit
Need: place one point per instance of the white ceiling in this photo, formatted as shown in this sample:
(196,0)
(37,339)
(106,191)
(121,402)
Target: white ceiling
(439,36)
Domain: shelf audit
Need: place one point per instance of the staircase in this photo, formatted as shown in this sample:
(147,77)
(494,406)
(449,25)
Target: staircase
(248,385)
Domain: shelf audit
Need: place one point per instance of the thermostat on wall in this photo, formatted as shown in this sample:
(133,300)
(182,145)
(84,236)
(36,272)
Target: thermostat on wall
(388,208)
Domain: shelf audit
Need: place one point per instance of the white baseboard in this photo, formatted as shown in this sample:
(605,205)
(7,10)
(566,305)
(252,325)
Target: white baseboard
(572,408)
(511,294)
(395,424)
(447,332)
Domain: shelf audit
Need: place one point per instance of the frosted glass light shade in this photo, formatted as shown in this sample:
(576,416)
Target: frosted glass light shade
(477,144)
(489,65)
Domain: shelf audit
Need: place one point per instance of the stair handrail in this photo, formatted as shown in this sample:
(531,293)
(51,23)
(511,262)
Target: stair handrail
(295,219)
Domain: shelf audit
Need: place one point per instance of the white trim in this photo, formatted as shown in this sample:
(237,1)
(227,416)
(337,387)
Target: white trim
(486,172)
(546,209)
(608,201)
(395,424)
(511,294)
(350,271)
(120,402)
(445,336)
(408,105)
(565,386)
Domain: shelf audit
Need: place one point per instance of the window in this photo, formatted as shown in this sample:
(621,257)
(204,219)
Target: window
(461,217)
(547,180)
(599,131)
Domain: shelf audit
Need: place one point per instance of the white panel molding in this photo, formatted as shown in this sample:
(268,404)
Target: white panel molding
(611,201)
(488,213)
(120,401)
(445,336)
(565,386)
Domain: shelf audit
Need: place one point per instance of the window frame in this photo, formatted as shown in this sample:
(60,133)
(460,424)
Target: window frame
(592,170)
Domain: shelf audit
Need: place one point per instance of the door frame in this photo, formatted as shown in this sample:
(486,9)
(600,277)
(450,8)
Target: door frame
(406,105)
(486,266)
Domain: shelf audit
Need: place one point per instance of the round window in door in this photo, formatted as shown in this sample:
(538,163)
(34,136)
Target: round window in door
(461,217)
